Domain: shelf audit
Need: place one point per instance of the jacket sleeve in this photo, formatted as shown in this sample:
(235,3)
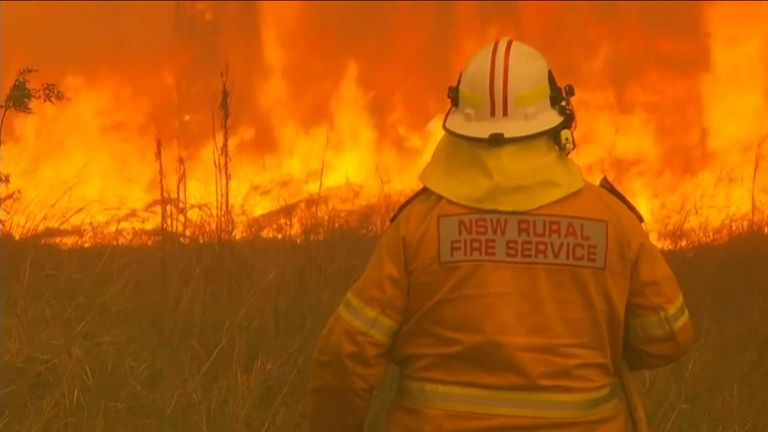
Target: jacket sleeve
(351,356)
(658,329)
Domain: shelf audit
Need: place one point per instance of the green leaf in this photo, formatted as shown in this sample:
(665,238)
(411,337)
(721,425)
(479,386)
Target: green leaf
(51,93)
(20,96)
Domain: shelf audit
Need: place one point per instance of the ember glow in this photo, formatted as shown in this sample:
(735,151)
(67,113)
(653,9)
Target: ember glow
(338,106)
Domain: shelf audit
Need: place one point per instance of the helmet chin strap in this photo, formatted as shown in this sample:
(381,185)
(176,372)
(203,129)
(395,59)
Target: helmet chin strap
(453,93)
(560,99)
(566,141)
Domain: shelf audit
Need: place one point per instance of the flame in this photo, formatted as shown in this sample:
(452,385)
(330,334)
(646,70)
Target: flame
(336,107)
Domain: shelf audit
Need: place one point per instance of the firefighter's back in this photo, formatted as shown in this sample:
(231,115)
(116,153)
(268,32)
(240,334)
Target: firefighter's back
(515,320)
(502,321)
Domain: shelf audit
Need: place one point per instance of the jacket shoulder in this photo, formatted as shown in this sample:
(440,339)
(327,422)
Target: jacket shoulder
(406,203)
(609,187)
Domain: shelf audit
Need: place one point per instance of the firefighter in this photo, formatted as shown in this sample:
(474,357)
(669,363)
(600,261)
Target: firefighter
(509,291)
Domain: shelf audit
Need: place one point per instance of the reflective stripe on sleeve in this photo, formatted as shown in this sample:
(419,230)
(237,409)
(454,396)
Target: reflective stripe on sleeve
(660,325)
(475,400)
(367,320)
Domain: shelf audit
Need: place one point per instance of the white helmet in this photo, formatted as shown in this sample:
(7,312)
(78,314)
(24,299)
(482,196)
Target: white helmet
(507,92)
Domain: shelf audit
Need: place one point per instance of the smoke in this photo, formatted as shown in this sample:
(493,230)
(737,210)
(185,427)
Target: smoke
(126,39)
(406,53)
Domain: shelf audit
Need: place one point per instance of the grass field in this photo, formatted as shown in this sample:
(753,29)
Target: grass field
(217,338)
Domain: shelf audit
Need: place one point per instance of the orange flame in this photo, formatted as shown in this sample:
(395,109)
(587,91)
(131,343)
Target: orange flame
(337,107)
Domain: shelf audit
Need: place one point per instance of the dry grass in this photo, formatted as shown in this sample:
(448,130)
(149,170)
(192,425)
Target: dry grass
(98,339)
(723,384)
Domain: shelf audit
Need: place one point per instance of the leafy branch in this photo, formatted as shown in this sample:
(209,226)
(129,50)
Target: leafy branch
(19,99)
(21,95)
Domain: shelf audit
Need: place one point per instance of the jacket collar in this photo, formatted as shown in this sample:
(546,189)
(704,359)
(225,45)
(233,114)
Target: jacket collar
(512,177)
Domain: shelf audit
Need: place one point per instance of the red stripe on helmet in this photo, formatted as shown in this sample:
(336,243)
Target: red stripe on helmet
(492,82)
(506,76)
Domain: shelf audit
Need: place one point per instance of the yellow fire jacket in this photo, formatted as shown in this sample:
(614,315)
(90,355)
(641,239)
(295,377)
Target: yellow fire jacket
(500,321)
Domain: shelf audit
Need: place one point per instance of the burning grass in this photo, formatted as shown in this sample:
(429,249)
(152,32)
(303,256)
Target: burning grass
(217,337)
(671,105)
(136,324)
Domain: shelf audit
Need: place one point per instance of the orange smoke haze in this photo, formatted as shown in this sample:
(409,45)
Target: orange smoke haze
(671,103)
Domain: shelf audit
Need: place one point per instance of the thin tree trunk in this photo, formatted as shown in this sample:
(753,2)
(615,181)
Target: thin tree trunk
(181,192)
(754,181)
(5,106)
(2,123)
(224,108)
(159,158)
(217,172)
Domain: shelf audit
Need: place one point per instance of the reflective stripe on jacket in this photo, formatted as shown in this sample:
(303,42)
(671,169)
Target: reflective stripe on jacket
(500,321)
(475,400)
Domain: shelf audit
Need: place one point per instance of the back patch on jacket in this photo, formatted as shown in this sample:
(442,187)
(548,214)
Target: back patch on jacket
(523,239)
